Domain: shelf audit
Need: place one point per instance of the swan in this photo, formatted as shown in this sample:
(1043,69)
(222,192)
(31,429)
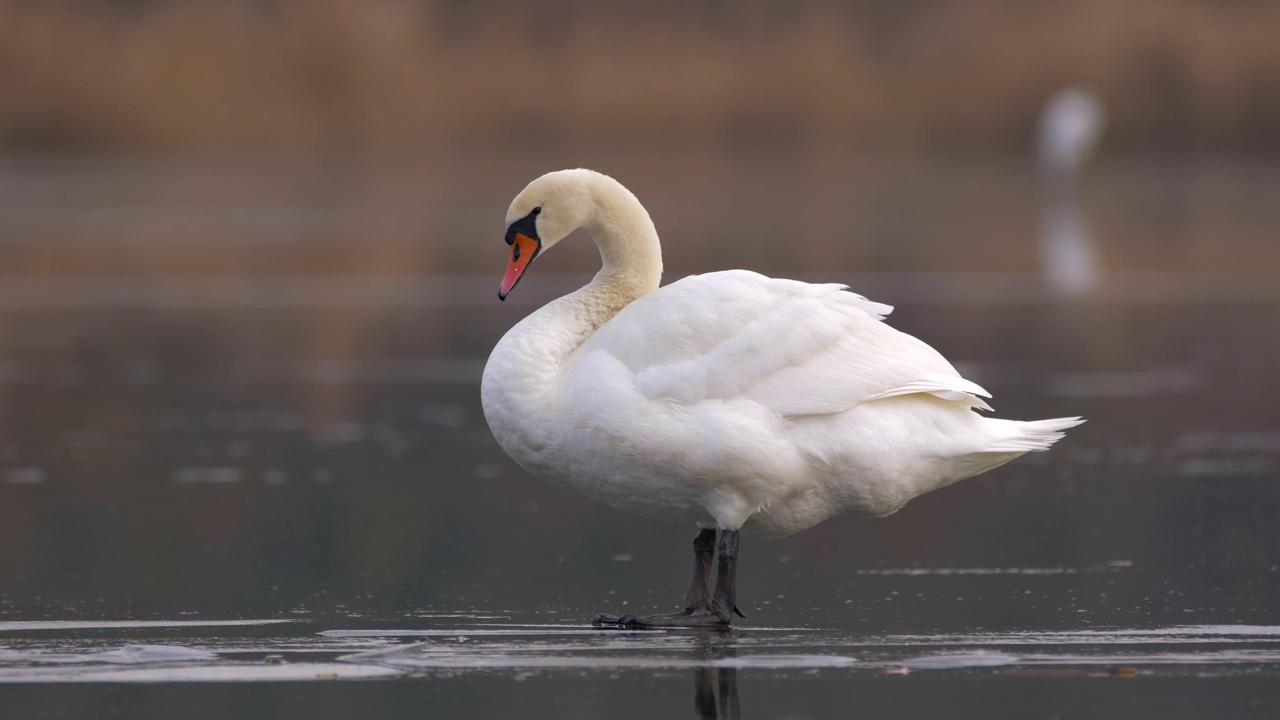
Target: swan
(731,400)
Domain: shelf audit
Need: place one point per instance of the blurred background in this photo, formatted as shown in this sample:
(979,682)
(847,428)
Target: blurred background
(249,252)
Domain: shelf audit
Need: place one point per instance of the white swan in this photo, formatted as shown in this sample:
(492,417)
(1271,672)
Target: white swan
(728,399)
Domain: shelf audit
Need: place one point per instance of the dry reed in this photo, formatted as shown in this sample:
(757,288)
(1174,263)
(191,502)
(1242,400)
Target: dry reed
(392,76)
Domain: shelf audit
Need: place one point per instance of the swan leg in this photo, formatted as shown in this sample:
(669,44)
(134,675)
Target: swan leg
(724,602)
(704,548)
(698,612)
(698,598)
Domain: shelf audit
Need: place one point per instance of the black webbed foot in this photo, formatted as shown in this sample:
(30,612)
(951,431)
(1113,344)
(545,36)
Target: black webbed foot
(672,620)
(701,611)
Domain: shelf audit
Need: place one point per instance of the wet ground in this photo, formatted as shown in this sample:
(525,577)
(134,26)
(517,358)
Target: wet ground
(242,460)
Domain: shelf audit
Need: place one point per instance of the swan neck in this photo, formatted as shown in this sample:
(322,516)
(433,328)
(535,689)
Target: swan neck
(630,254)
(521,391)
(538,348)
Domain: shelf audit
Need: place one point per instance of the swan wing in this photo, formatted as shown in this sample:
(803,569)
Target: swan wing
(797,348)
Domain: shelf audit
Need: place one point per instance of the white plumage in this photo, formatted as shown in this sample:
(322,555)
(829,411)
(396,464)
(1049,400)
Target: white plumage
(728,399)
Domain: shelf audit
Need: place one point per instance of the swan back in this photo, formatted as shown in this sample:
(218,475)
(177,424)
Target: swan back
(795,348)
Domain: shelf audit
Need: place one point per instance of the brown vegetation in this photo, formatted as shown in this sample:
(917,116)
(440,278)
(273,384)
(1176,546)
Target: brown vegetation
(393,76)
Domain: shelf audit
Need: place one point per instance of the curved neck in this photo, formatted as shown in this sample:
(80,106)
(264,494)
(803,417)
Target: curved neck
(521,377)
(630,254)
(631,266)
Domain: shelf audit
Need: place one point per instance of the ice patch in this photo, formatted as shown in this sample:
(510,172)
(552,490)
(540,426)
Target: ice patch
(1178,634)
(257,672)
(139,654)
(952,661)
(967,571)
(216,475)
(1108,567)
(19,625)
(455,633)
(781,662)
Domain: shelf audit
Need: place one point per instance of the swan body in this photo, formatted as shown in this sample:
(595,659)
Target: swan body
(728,399)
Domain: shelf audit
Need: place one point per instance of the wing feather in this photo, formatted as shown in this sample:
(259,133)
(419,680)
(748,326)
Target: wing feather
(796,348)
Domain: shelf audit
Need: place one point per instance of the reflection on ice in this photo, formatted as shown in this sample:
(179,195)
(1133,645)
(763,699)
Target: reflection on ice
(546,656)
(958,660)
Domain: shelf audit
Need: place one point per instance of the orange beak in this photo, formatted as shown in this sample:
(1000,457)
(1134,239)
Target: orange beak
(523,250)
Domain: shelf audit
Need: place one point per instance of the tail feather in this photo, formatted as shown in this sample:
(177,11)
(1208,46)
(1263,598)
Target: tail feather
(1032,436)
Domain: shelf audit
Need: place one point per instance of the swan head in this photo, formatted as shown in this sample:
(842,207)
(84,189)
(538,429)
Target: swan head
(543,214)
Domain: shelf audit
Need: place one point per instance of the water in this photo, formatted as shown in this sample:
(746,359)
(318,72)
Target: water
(250,395)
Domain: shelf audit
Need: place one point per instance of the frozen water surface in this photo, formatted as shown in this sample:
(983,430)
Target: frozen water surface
(486,647)
(463,666)
(244,471)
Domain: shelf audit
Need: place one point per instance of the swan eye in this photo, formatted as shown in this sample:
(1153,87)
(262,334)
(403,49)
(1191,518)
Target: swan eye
(536,211)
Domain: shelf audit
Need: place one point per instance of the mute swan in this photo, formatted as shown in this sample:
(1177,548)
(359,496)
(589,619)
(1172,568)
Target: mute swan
(728,399)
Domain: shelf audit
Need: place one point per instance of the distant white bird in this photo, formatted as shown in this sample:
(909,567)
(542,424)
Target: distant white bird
(1070,128)
(729,399)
